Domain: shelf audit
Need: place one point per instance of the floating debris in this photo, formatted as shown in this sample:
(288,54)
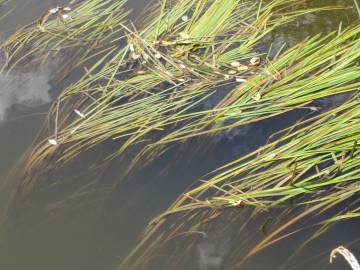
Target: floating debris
(235,64)
(242,68)
(255,61)
(314,109)
(53,142)
(65,16)
(238,204)
(79,113)
(240,80)
(54,10)
(185,18)
(131,47)
(239,66)
(348,256)
(58,11)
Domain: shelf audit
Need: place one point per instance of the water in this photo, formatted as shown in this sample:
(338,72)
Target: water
(98,231)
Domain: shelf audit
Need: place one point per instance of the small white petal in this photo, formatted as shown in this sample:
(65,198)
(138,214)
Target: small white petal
(65,16)
(185,18)
(54,10)
(235,64)
(131,47)
(255,61)
(53,142)
(241,80)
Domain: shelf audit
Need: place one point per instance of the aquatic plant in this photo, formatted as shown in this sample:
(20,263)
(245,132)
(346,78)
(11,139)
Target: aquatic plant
(72,38)
(314,165)
(151,91)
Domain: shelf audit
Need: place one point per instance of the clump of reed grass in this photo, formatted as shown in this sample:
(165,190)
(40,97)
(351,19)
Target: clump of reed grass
(151,91)
(314,165)
(73,36)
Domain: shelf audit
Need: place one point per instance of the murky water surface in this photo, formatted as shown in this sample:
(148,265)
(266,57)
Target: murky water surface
(98,231)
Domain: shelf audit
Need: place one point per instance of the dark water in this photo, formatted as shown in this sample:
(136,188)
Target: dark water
(98,229)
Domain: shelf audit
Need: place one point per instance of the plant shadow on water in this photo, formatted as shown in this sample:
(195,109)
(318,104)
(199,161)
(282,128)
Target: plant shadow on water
(89,219)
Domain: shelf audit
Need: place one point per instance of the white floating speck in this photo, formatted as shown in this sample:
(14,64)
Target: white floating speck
(255,61)
(65,17)
(182,66)
(79,113)
(67,9)
(235,64)
(135,56)
(158,56)
(315,109)
(131,47)
(54,10)
(53,142)
(241,80)
(185,18)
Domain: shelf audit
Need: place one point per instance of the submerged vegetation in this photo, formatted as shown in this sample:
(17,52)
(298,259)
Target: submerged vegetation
(199,68)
